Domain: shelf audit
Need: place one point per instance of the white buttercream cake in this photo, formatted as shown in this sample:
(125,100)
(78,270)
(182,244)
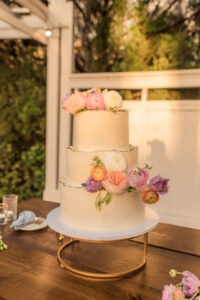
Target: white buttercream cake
(98,136)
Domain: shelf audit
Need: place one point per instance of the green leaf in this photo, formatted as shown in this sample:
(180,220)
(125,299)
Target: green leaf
(97,162)
(98,201)
(107,198)
(130,189)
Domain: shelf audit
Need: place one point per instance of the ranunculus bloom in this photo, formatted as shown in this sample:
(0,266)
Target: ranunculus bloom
(64,100)
(138,180)
(149,196)
(93,91)
(93,185)
(95,101)
(190,283)
(115,161)
(159,184)
(112,99)
(115,182)
(76,102)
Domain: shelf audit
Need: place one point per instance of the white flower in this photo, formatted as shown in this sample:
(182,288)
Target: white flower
(136,170)
(112,99)
(115,161)
(148,165)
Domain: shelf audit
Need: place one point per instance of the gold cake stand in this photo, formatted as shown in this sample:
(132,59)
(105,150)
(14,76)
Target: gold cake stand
(65,265)
(75,235)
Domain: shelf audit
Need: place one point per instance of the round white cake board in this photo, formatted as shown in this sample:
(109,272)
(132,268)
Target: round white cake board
(150,221)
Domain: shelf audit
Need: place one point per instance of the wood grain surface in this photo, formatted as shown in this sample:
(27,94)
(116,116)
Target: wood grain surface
(29,269)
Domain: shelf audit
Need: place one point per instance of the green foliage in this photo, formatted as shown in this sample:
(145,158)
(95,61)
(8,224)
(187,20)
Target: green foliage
(22,119)
(131,36)
(142,49)
(140,35)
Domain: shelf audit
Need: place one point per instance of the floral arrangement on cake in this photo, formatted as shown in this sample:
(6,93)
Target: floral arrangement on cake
(113,176)
(188,288)
(92,99)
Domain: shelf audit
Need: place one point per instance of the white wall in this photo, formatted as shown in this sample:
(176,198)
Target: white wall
(168,135)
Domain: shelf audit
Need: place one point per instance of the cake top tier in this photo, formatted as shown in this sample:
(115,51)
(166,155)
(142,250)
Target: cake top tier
(93,99)
(99,121)
(101,130)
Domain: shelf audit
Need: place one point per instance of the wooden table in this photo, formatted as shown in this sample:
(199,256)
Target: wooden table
(29,269)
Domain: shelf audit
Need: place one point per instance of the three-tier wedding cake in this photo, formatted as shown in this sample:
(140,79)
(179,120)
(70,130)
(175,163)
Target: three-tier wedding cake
(104,187)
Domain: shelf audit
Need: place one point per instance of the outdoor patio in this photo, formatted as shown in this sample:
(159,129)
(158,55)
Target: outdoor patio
(167,133)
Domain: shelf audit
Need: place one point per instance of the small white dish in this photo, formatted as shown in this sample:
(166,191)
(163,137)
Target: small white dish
(39,224)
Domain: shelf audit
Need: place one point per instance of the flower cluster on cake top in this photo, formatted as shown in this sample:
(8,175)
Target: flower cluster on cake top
(115,177)
(93,99)
(188,288)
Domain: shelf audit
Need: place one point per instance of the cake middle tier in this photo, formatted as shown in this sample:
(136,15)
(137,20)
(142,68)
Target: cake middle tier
(79,163)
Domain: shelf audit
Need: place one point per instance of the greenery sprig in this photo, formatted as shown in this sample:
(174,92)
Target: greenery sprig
(3,246)
(102,199)
(97,162)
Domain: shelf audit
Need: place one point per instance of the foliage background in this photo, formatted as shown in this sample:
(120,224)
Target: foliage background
(22,118)
(109,35)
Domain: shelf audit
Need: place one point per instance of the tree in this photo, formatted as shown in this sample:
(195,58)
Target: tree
(136,35)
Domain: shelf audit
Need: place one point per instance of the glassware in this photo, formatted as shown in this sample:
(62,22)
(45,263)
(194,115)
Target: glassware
(3,213)
(11,201)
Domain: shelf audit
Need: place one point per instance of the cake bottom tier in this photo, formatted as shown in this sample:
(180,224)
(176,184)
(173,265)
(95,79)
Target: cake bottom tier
(78,210)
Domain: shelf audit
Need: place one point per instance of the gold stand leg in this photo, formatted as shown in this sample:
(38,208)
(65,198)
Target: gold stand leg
(99,275)
(59,236)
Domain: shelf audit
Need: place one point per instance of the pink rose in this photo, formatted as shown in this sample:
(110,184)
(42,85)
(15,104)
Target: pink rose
(64,100)
(138,180)
(95,101)
(115,182)
(170,292)
(76,102)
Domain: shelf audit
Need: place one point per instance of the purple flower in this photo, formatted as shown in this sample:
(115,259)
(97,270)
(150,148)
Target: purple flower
(93,185)
(168,291)
(190,283)
(64,100)
(159,184)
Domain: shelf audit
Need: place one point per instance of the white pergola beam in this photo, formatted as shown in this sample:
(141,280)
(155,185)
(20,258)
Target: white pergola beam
(40,5)
(51,20)
(4,6)
(7,17)
(34,9)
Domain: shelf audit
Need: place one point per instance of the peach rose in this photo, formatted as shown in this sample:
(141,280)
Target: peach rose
(178,293)
(115,182)
(76,102)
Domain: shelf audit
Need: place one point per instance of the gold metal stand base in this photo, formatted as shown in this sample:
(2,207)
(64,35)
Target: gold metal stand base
(99,275)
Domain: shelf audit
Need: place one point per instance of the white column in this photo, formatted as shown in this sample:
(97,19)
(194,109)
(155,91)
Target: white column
(60,61)
(66,70)
(52,113)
